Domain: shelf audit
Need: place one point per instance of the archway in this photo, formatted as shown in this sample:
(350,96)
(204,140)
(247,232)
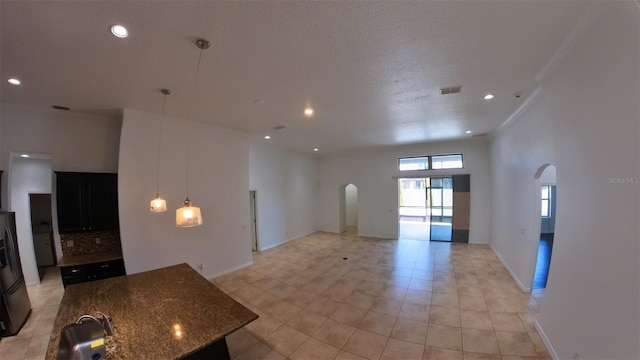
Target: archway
(349,209)
(544,223)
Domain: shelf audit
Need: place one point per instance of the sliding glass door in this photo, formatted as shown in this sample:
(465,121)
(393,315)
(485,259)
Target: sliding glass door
(440,207)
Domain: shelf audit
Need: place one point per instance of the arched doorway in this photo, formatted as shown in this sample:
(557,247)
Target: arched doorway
(349,209)
(545,221)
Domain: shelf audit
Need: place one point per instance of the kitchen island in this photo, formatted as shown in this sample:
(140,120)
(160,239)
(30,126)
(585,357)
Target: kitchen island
(169,313)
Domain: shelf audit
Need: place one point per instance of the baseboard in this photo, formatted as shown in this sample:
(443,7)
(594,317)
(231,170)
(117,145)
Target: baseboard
(284,242)
(236,268)
(511,272)
(546,341)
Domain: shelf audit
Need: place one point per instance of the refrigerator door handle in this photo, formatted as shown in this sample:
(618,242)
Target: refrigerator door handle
(10,259)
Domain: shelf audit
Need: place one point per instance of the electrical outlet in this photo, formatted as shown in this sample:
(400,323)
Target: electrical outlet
(69,243)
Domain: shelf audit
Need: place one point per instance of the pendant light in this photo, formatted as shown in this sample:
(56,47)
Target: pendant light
(189,215)
(158,204)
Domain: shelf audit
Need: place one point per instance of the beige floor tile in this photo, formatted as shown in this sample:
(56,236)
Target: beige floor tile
(37,357)
(515,343)
(263,326)
(366,344)
(445,300)
(260,351)
(343,355)
(399,281)
(239,341)
(378,323)
(472,303)
(370,287)
(393,292)
(497,304)
(480,320)
(281,291)
(38,345)
(14,350)
(444,316)
(479,356)
(436,353)
(386,306)
(538,344)
(414,312)
(323,306)
(301,298)
(421,285)
(313,349)
(445,337)
(283,311)
(338,293)
(507,322)
(418,297)
(410,330)
(479,341)
(286,340)
(334,333)
(360,300)
(398,349)
(349,315)
(307,322)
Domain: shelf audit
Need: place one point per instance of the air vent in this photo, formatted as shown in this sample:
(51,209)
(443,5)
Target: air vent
(57,107)
(278,127)
(479,135)
(450,90)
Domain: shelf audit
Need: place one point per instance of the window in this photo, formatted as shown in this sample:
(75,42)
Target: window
(545,211)
(447,161)
(435,162)
(415,163)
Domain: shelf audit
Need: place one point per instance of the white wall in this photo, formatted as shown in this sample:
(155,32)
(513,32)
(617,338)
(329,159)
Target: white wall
(28,176)
(286,192)
(375,172)
(351,201)
(587,123)
(218,184)
(75,141)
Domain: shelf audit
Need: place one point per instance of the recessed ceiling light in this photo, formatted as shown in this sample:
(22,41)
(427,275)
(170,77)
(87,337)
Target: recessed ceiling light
(119,31)
(488,97)
(24,155)
(308,111)
(14,81)
(316,149)
(267,137)
(468,132)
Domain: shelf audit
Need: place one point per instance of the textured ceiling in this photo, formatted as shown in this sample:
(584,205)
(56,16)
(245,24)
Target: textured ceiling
(371,70)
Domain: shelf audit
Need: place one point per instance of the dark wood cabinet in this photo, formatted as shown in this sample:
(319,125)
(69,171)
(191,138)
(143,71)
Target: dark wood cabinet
(91,272)
(87,202)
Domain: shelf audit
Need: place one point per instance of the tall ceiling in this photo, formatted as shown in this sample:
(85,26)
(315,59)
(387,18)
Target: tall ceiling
(371,70)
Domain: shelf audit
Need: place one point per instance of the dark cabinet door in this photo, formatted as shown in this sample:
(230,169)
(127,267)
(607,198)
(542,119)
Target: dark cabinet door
(70,199)
(87,202)
(103,201)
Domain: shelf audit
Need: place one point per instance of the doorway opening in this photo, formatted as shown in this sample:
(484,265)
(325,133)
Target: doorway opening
(349,209)
(546,197)
(425,208)
(254,220)
(42,230)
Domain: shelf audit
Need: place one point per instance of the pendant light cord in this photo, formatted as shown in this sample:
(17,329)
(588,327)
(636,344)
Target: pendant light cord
(193,95)
(164,100)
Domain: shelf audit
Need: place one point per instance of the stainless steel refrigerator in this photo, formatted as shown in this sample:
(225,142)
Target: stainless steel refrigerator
(14,299)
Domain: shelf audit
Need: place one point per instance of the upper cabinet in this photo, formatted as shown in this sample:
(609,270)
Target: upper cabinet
(87,202)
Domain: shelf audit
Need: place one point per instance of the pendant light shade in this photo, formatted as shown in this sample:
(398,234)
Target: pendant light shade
(188,216)
(158,204)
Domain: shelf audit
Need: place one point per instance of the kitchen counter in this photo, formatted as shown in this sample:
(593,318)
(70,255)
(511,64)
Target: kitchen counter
(168,313)
(75,260)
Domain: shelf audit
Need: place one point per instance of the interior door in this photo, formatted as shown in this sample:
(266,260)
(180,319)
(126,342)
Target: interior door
(440,200)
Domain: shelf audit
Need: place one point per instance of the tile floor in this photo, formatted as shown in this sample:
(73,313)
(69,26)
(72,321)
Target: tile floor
(32,340)
(390,299)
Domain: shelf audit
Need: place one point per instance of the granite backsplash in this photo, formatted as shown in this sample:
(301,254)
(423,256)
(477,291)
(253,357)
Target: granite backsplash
(90,242)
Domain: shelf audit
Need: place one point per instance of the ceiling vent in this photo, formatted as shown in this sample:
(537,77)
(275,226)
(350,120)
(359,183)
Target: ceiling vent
(479,135)
(278,127)
(58,107)
(450,90)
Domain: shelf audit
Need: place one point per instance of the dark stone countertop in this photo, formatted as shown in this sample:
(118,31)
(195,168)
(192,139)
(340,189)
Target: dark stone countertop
(76,260)
(148,308)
